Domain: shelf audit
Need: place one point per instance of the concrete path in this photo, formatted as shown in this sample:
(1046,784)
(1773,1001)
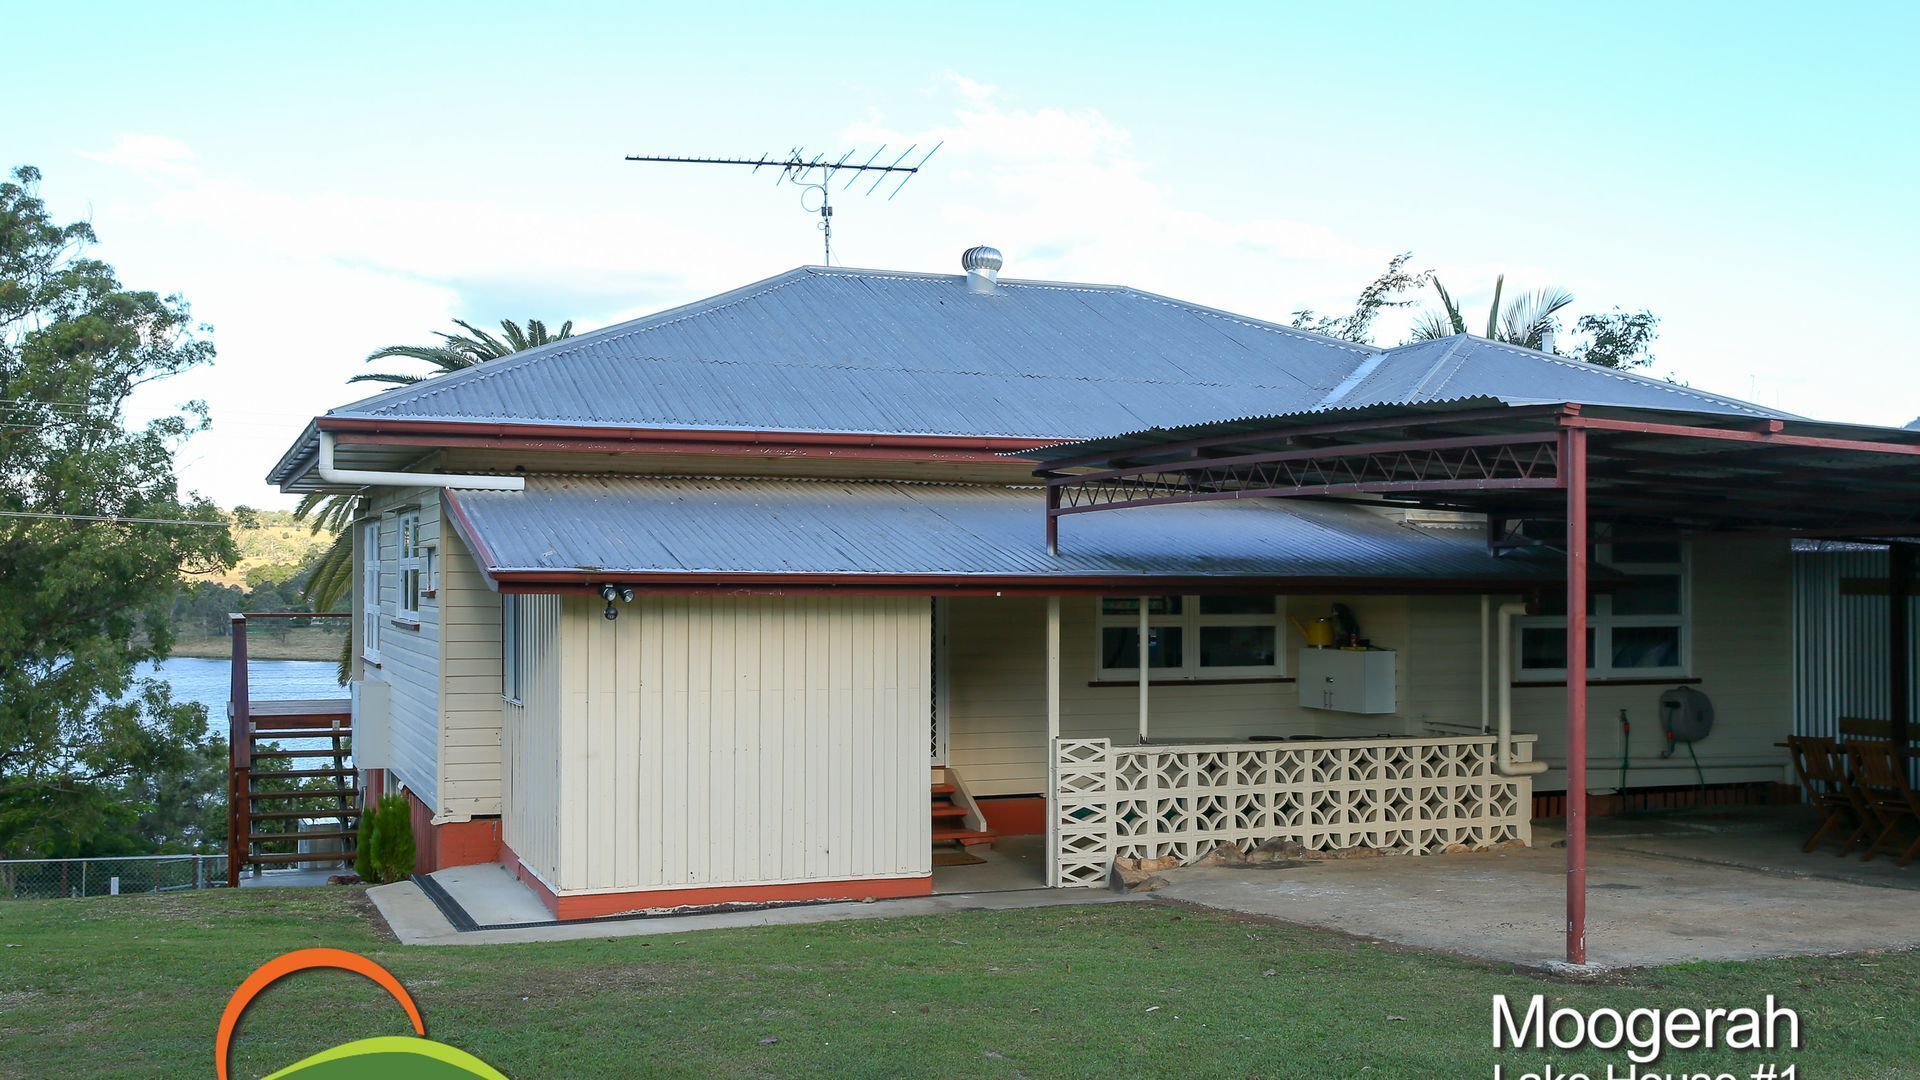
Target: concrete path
(415,919)
(1642,909)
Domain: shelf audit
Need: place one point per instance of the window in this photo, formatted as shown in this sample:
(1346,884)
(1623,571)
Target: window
(370,616)
(1192,637)
(510,661)
(412,565)
(1638,629)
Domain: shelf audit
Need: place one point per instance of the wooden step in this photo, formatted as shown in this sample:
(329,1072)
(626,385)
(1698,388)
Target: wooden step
(293,815)
(301,733)
(954,834)
(295,774)
(945,789)
(305,834)
(949,811)
(352,794)
(322,753)
(295,857)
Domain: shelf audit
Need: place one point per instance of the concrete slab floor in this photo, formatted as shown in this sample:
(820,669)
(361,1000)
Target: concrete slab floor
(1755,837)
(1509,906)
(1013,862)
(416,921)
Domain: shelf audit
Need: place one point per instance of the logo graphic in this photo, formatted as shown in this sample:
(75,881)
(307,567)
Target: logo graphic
(399,1057)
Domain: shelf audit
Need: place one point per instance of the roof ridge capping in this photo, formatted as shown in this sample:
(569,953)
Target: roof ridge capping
(1583,366)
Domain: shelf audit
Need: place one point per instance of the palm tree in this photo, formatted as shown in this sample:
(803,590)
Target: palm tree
(1526,321)
(457,351)
(332,576)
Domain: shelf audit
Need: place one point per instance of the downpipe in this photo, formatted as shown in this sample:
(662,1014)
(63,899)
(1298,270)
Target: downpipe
(1504,762)
(375,478)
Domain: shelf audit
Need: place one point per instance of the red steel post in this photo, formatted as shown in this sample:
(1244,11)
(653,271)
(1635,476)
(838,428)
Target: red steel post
(1576,466)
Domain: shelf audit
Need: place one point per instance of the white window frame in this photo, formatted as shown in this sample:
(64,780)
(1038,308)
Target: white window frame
(410,565)
(512,649)
(370,614)
(1601,622)
(1190,622)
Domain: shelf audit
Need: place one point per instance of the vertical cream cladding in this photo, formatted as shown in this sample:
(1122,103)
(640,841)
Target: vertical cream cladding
(725,741)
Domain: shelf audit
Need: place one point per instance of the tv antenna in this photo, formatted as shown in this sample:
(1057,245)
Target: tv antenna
(814,176)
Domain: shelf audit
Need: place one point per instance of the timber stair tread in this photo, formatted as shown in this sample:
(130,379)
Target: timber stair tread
(304,793)
(950,816)
(300,733)
(293,857)
(294,815)
(262,752)
(294,774)
(304,834)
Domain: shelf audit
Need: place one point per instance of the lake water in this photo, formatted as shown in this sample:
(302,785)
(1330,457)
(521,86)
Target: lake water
(208,681)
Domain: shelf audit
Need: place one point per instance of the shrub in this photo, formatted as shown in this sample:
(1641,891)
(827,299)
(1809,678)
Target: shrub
(388,842)
(363,844)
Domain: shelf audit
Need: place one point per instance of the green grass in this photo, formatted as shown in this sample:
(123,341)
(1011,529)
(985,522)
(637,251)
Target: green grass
(135,986)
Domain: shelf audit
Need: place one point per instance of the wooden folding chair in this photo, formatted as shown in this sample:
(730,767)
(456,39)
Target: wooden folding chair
(1822,768)
(1880,776)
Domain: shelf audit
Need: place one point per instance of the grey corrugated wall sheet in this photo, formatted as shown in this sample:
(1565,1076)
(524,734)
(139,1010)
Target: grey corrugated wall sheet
(647,524)
(1840,649)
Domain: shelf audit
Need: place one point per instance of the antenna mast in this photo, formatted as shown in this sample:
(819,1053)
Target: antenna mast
(815,175)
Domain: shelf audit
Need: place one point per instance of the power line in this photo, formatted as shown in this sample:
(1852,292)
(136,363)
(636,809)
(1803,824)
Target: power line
(118,520)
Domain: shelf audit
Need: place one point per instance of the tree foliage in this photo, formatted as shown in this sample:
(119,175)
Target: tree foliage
(1527,320)
(385,848)
(84,603)
(1617,339)
(1384,293)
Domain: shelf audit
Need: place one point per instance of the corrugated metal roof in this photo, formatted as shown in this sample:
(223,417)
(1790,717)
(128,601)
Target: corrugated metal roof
(840,350)
(639,525)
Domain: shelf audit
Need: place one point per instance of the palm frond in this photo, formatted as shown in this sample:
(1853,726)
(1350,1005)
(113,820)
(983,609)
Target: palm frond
(1431,326)
(1453,324)
(387,377)
(1493,309)
(1529,316)
(332,575)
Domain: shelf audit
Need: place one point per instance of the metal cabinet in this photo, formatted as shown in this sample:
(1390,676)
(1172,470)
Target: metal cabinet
(1347,680)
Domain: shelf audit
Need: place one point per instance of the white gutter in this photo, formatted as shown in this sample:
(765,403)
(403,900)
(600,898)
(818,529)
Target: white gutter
(1503,759)
(373,478)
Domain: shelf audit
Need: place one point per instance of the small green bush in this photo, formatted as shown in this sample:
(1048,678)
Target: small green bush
(386,844)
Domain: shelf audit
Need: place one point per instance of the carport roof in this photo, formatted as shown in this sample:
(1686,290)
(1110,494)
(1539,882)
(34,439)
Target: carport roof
(775,535)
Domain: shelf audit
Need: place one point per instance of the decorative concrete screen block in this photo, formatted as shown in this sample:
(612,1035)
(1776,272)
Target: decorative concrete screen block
(1411,796)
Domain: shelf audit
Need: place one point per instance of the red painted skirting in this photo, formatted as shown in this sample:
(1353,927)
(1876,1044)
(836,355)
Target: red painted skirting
(594,905)
(453,843)
(1015,815)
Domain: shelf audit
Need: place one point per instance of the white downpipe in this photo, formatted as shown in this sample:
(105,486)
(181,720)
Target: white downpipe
(374,478)
(1486,654)
(1503,760)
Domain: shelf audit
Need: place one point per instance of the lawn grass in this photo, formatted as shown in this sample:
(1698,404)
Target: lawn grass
(135,986)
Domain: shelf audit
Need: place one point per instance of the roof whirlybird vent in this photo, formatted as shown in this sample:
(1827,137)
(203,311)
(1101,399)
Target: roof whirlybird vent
(982,264)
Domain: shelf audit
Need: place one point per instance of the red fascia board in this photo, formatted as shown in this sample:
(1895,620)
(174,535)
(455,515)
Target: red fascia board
(1764,437)
(742,584)
(464,433)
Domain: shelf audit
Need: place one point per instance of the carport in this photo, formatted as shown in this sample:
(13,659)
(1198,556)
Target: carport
(1541,474)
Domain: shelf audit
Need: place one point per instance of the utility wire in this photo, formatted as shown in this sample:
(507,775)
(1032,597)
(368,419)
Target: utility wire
(117,520)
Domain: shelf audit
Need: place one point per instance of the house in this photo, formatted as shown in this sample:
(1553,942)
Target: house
(685,610)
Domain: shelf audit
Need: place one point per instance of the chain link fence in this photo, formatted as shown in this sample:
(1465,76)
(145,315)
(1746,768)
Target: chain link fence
(46,879)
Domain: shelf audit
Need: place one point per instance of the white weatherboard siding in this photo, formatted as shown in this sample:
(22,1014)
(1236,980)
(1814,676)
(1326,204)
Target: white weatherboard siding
(726,741)
(409,657)
(1741,653)
(469,686)
(998,683)
(530,782)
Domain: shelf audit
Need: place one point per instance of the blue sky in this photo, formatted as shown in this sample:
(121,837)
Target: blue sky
(324,180)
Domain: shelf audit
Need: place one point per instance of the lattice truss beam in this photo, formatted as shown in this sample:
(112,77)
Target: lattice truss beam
(1149,802)
(1467,463)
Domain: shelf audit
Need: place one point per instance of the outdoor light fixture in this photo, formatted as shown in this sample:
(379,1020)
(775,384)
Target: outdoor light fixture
(608,593)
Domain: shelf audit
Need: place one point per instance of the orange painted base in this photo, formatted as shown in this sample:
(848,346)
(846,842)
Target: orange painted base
(453,843)
(594,905)
(1015,815)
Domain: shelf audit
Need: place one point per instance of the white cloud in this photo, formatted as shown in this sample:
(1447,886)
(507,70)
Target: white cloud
(151,155)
